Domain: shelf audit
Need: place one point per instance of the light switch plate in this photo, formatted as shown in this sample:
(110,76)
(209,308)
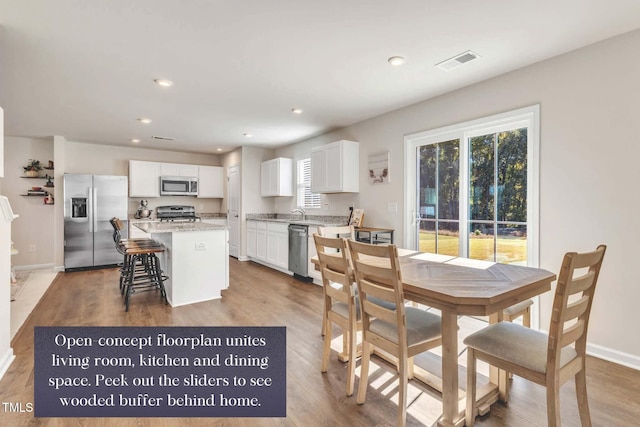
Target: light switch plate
(201,246)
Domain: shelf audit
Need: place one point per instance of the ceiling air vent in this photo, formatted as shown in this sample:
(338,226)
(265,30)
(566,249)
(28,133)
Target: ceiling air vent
(163,138)
(458,60)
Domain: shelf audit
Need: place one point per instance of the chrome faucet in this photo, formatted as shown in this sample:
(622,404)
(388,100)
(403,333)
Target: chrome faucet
(300,211)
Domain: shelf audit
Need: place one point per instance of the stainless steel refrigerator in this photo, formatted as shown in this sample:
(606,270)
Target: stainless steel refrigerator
(90,201)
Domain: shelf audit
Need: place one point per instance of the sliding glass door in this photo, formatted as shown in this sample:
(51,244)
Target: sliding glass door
(472,189)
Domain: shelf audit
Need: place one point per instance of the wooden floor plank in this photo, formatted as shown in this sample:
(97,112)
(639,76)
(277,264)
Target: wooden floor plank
(259,296)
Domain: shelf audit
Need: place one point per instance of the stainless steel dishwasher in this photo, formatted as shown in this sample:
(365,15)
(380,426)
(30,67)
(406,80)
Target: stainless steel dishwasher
(298,251)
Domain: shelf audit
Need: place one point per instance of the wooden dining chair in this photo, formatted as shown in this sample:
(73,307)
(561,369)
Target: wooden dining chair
(340,305)
(403,331)
(346,232)
(549,360)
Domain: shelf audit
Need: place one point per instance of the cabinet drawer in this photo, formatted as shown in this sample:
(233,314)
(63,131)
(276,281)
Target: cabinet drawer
(278,227)
(261,225)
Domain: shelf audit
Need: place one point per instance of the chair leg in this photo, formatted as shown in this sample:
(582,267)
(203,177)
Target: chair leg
(403,361)
(410,368)
(351,365)
(326,349)
(526,318)
(553,403)
(583,402)
(364,372)
(470,413)
(324,318)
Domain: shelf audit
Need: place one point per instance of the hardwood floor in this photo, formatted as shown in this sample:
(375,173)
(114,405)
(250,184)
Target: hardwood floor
(259,296)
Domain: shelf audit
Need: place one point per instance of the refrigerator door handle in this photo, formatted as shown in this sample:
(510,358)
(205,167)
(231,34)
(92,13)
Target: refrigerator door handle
(90,209)
(94,207)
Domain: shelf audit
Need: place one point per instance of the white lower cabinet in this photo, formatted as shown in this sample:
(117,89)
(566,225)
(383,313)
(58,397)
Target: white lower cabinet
(311,252)
(278,244)
(261,241)
(251,238)
(268,242)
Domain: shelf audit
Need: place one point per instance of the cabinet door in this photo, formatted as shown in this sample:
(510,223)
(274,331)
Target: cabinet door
(251,239)
(177,169)
(261,241)
(266,186)
(210,181)
(144,179)
(282,250)
(334,167)
(278,244)
(318,171)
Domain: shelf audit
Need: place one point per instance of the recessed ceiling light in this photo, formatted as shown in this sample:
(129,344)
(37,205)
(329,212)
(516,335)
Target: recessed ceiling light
(296,110)
(144,120)
(135,140)
(396,60)
(163,82)
(218,149)
(248,135)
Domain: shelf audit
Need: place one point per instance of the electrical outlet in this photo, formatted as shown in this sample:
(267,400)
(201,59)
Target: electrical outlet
(201,246)
(201,206)
(32,247)
(392,207)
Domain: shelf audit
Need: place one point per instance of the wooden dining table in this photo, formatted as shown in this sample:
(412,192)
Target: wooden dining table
(462,286)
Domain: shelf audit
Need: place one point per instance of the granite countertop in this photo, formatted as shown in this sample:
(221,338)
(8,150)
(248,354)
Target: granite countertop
(203,215)
(321,220)
(170,227)
(208,215)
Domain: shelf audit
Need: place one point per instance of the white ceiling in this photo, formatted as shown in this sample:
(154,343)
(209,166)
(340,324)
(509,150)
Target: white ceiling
(84,69)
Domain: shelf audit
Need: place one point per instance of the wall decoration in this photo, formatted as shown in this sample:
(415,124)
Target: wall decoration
(379,168)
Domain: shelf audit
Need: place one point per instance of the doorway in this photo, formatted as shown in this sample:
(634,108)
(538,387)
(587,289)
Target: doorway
(233,209)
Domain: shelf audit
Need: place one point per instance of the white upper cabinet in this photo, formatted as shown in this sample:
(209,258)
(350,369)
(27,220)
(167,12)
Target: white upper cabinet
(335,168)
(176,169)
(210,181)
(144,179)
(277,177)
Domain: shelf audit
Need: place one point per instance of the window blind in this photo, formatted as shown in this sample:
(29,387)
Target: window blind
(306,199)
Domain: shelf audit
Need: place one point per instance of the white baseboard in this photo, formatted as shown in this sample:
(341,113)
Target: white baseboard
(615,356)
(33,267)
(5,361)
(58,268)
(243,258)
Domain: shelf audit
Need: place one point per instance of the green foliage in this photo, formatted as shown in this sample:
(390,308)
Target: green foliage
(32,165)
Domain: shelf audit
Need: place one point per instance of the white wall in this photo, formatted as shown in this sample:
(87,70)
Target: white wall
(45,223)
(589,174)
(6,352)
(35,227)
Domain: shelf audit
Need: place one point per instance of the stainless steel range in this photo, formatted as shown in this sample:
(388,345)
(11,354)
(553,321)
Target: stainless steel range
(176,213)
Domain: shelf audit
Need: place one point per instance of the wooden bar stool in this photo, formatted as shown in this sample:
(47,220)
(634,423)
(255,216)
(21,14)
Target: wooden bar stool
(140,270)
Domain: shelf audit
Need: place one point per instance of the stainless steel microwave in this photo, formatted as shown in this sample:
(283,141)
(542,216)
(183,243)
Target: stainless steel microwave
(178,186)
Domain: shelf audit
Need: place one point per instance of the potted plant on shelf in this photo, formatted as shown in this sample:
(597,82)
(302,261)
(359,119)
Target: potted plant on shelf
(33,168)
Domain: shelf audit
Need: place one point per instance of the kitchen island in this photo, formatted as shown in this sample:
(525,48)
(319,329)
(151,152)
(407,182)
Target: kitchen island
(196,259)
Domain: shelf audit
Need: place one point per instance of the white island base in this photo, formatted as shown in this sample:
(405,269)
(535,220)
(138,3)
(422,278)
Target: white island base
(196,260)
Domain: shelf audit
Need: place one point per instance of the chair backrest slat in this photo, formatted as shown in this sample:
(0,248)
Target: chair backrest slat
(576,308)
(572,333)
(581,283)
(346,231)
